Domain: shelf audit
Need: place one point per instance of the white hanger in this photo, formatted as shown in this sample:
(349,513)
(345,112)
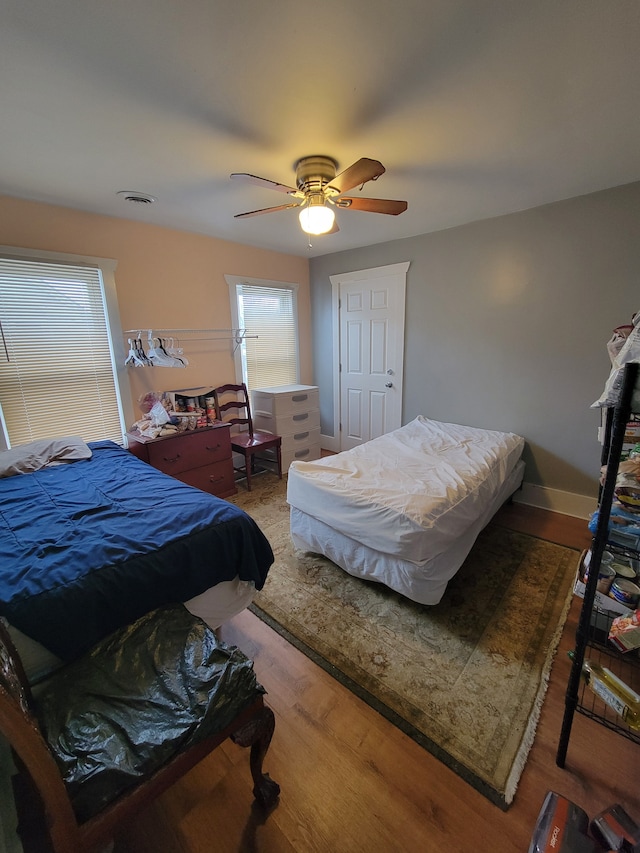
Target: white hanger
(177,351)
(132,359)
(158,356)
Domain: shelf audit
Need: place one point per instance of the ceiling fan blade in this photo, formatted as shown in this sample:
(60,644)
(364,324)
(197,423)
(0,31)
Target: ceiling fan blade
(266,210)
(358,173)
(264,182)
(372,205)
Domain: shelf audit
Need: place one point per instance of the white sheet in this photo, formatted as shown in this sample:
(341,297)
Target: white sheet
(426,477)
(215,605)
(424,582)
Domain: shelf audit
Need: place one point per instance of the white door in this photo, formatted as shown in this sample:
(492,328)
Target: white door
(370,352)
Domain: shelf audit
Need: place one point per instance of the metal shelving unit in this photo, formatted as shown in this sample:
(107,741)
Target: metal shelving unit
(625,667)
(593,624)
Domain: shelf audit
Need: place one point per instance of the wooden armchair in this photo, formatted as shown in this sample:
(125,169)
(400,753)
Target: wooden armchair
(249,442)
(113,730)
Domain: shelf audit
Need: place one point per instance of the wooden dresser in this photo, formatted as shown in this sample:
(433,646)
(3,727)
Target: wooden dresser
(201,458)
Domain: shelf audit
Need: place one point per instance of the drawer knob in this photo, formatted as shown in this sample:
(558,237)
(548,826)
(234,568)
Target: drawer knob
(213,449)
(171,459)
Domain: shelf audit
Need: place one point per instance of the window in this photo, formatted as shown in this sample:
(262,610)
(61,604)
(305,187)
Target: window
(268,311)
(57,363)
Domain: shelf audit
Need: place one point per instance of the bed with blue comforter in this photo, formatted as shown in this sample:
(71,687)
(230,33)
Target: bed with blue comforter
(90,545)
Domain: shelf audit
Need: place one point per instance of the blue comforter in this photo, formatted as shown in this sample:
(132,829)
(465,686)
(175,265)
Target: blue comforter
(89,546)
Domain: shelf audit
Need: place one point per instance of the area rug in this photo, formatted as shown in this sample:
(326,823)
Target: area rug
(465,678)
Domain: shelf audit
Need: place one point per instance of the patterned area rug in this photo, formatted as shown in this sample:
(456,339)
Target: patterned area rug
(465,678)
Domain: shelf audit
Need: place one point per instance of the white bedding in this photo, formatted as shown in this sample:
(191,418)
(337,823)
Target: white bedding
(215,605)
(404,509)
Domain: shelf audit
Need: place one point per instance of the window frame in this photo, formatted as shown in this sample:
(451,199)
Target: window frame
(107,268)
(234,281)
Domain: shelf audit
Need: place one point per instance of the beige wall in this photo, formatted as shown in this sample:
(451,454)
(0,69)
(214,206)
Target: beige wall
(164,279)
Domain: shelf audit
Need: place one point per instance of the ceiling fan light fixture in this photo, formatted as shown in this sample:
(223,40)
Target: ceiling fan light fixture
(321,190)
(316,217)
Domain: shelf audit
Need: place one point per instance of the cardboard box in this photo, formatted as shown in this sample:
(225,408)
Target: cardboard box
(602,602)
(625,631)
(631,435)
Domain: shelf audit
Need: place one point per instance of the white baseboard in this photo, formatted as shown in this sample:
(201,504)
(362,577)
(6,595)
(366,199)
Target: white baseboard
(555,500)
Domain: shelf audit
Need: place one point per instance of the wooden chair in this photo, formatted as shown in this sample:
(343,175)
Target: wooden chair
(249,442)
(55,812)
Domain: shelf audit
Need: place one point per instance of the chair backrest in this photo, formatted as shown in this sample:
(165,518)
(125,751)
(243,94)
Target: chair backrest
(230,398)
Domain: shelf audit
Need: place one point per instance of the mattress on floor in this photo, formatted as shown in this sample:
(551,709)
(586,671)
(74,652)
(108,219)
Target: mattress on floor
(424,582)
(427,477)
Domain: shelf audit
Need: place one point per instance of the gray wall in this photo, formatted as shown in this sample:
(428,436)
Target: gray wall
(507,322)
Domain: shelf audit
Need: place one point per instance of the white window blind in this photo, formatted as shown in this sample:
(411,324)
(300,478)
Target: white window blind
(57,372)
(270,353)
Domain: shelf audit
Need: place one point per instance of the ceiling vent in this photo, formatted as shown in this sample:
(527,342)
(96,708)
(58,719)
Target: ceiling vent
(136,197)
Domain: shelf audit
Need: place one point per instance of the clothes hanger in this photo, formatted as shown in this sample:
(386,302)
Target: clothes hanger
(174,360)
(157,355)
(132,359)
(177,351)
(141,353)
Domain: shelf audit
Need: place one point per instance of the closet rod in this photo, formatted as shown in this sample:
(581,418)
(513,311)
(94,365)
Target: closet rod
(172,329)
(229,334)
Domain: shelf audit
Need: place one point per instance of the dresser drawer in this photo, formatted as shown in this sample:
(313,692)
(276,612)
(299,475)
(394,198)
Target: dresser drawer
(284,400)
(300,453)
(190,450)
(304,438)
(288,424)
(303,451)
(216,478)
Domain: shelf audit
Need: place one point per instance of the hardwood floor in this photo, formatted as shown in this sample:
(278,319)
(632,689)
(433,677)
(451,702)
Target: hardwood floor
(353,782)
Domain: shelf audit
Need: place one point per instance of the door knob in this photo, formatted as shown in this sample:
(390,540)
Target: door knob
(388,384)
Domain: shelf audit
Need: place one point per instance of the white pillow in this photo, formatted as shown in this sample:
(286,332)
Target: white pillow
(38,454)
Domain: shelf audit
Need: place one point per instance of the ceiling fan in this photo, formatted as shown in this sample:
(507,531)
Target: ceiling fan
(319,190)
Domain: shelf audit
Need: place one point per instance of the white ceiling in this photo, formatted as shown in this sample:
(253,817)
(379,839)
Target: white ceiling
(475,107)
